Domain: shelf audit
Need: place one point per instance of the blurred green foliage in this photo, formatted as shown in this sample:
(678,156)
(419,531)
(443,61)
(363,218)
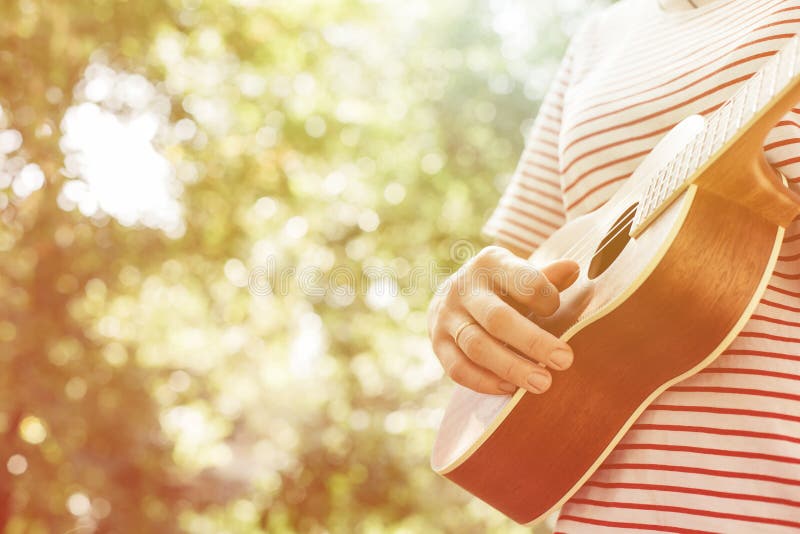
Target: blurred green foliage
(150,379)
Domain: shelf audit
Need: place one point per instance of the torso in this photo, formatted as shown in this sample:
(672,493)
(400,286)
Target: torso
(720,452)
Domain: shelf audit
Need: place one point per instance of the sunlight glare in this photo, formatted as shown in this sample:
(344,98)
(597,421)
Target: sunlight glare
(112,156)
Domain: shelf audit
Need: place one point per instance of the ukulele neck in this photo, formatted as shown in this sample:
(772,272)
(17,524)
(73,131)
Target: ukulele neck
(731,142)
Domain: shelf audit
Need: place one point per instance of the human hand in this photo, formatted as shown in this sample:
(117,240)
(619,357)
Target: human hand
(480,329)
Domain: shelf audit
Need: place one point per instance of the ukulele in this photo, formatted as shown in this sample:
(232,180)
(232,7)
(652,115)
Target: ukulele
(672,267)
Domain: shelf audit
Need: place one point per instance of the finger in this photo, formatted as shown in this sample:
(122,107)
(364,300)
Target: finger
(568,311)
(513,277)
(488,353)
(463,371)
(561,273)
(507,325)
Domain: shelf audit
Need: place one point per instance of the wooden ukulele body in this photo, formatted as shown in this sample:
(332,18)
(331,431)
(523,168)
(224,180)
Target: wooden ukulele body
(657,308)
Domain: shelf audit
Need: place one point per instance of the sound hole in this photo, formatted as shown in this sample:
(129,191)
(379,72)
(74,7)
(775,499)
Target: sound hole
(612,244)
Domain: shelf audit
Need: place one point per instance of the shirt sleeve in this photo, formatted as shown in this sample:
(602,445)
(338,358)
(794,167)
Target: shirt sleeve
(532,207)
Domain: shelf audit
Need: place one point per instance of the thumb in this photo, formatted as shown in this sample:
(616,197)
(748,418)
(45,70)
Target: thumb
(561,273)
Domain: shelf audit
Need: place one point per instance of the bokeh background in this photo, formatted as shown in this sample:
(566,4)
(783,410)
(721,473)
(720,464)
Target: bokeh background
(220,226)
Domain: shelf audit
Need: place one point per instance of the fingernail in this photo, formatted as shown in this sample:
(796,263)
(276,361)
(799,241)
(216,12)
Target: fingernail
(574,276)
(561,358)
(508,387)
(538,382)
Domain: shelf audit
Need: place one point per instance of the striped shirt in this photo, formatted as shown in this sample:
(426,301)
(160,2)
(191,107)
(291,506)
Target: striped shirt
(720,451)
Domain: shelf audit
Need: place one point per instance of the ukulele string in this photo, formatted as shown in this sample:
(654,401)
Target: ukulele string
(583,245)
(617,229)
(578,251)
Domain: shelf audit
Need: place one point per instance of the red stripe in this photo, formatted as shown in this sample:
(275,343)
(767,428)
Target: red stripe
(545,141)
(652,115)
(777,144)
(718,432)
(683,74)
(525,227)
(648,28)
(778,305)
(699,39)
(595,189)
(744,371)
(763,353)
(777,23)
(785,162)
(515,239)
(530,215)
(771,337)
(540,166)
(705,450)
(605,165)
(787,276)
(788,123)
(631,139)
(634,526)
(789,258)
(540,179)
(551,131)
(546,155)
(784,291)
(682,510)
(725,44)
(774,320)
(702,471)
(660,112)
(539,205)
(545,194)
(693,491)
(724,411)
(737,391)
(552,118)
(785,9)
(671,93)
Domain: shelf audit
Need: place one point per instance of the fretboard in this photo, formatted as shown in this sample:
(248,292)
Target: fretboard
(722,128)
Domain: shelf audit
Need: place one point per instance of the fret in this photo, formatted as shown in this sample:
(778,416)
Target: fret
(655,191)
(775,77)
(694,157)
(674,178)
(762,82)
(661,187)
(771,80)
(738,107)
(653,194)
(683,162)
(793,59)
(707,143)
(752,96)
(651,198)
(644,205)
(786,67)
(720,138)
